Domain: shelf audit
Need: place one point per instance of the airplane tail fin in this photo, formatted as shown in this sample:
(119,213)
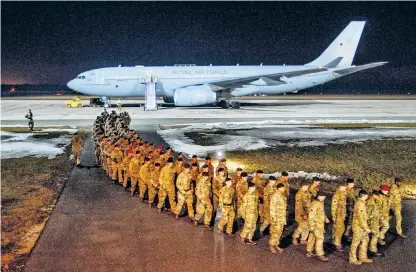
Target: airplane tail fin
(344,47)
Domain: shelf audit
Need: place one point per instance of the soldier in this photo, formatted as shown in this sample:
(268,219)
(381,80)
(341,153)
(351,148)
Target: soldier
(223,165)
(227,205)
(194,175)
(116,166)
(268,192)
(259,182)
(339,212)
(184,194)
(217,185)
(396,205)
(154,184)
(76,147)
(210,168)
(284,179)
(314,189)
(241,188)
(316,222)
(195,160)
(360,231)
(134,171)
(373,213)
(237,176)
(249,212)
(167,186)
(278,209)
(29,117)
(144,175)
(351,195)
(302,206)
(126,163)
(204,206)
(385,213)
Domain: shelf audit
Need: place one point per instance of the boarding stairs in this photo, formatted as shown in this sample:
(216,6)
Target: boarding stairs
(150,95)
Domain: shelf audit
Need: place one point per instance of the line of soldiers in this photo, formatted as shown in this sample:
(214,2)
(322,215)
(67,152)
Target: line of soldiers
(205,192)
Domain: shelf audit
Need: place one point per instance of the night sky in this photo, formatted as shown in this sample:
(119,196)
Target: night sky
(51,42)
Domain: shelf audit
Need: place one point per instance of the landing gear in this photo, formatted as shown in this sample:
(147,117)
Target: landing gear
(227,105)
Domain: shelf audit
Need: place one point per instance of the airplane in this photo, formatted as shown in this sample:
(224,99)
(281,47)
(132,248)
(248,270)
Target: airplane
(190,85)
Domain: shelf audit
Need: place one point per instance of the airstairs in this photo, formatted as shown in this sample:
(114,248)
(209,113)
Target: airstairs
(150,95)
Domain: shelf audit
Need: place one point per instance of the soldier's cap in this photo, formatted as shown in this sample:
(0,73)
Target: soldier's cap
(205,174)
(315,179)
(150,152)
(384,187)
(194,156)
(187,166)
(272,178)
(147,159)
(170,160)
(76,133)
(350,180)
(220,170)
(130,152)
(362,192)
(204,166)
(151,144)
(180,153)
(375,192)
(304,183)
(162,152)
(249,179)
(180,159)
(320,194)
(244,174)
(140,144)
(208,158)
(167,148)
(146,142)
(239,169)
(223,160)
(228,179)
(259,172)
(285,174)
(157,164)
(398,180)
(194,165)
(251,184)
(280,185)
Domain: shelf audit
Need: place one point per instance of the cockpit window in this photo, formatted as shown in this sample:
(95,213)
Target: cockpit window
(81,77)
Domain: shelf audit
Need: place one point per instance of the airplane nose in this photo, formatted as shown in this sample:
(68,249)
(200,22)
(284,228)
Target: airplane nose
(71,85)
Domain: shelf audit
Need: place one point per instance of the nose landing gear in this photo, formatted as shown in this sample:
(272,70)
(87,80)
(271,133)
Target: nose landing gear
(227,105)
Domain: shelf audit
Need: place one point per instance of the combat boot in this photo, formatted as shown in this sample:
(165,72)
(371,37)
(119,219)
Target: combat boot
(242,240)
(207,227)
(322,258)
(355,262)
(366,260)
(303,242)
(251,242)
(295,242)
(218,231)
(177,217)
(401,235)
(309,254)
(381,242)
(273,249)
(339,248)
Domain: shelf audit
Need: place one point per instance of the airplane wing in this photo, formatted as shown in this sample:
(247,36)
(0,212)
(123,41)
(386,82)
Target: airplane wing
(353,69)
(268,79)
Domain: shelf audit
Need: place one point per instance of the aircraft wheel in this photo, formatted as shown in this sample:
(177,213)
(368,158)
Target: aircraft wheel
(235,105)
(224,104)
(79,105)
(68,106)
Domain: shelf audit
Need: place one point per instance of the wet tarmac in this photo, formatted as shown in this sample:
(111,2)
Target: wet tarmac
(97,226)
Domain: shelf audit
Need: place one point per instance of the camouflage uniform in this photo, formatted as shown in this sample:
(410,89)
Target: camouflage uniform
(154,181)
(117,167)
(217,185)
(249,212)
(302,206)
(338,211)
(126,174)
(202,192)
(396,206)
(313,190)
(134,170)
(278,209)
(268,192)
(227,204)
(167,187)
(351,195)
(235,179)
(259,182)
(373,213)
(77,148)
(384,215)
(183,184)
(316,222)
(242,189)
(360,231)
(144,178)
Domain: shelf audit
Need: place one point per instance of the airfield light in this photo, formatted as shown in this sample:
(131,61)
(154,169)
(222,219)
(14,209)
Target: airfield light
(219,154)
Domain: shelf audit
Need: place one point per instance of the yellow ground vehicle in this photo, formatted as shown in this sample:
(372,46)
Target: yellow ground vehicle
(74,103)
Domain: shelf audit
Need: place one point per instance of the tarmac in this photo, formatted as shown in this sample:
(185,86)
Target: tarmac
(97,226)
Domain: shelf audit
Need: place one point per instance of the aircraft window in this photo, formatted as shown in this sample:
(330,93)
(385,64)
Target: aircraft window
(83,77)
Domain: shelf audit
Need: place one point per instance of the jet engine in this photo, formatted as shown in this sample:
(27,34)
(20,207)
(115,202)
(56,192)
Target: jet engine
(194,96)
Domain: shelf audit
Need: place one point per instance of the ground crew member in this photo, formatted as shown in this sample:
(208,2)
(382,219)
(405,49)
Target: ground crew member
(278,217)
(316,222)
(126,163)
(76,147)
(339,212)
(259,182)
(268,192)
(223,165)
(29,117)
(373,213)
(134,171)
(360,231)
(396,205)
(144,176)
(227,202)
(314,188)
(237,176)
(351,195)
(302,206)
(203,206)
(154,182)
(184,195)
(117,167)
(217,185)
(249,212)
(385,213)
(167,186)
(241,188)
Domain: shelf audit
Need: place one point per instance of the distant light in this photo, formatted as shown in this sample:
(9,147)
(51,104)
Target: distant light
(219,154)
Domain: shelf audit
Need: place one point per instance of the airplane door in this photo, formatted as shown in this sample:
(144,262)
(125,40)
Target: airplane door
(99,78)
